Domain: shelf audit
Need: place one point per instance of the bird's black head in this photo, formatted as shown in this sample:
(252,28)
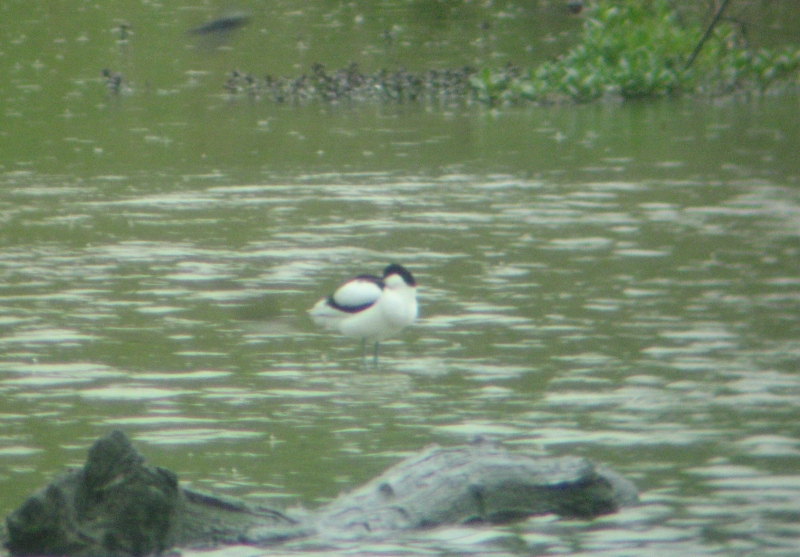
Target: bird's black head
(397,269)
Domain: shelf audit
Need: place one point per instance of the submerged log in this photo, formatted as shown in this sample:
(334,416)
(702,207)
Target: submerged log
(119,505)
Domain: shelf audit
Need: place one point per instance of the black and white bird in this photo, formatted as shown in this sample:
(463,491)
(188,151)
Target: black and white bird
(369,307)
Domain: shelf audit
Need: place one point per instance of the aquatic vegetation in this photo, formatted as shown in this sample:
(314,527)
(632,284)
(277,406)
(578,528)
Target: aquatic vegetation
(640,49)
(632,50)
(637,49)
(760,70)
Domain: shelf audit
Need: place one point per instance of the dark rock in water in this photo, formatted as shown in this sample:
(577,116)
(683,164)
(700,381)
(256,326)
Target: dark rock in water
(575,6)
(118,505)
(115,505)
(223,24)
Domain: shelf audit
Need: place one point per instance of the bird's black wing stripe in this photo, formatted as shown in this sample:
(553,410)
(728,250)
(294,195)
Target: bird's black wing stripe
(348,309)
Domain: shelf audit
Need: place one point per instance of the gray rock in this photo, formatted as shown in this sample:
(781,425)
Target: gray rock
(119,505)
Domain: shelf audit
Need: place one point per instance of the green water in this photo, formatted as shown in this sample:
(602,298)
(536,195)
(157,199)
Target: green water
(614,281)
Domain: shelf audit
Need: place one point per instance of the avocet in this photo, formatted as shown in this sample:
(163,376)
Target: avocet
(369,307)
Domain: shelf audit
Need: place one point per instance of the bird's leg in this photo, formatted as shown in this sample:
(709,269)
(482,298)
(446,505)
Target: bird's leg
(375,356)
(364,352)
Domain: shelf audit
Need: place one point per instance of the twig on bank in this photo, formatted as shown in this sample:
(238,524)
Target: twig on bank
(707,34)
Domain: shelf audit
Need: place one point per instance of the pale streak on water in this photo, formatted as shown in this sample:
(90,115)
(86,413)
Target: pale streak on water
(649,326)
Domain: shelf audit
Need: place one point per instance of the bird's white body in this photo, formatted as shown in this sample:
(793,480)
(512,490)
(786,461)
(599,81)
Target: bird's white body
(369,307)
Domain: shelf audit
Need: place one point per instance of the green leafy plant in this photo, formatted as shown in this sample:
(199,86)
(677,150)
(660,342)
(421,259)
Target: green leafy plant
(629,49)
(639,49)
